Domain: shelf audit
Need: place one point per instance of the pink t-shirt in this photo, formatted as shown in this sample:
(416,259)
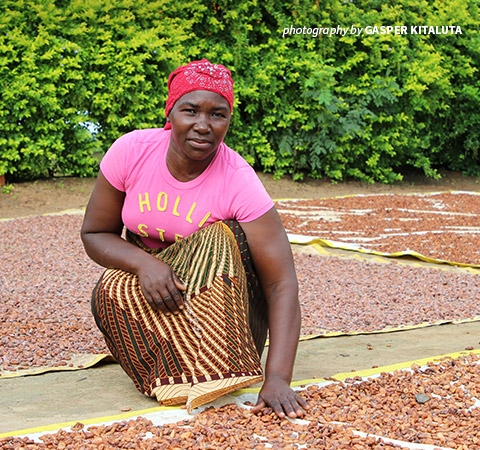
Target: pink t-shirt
(161,209)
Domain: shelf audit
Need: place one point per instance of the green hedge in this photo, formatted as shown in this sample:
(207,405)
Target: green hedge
(365,107)
(73,63)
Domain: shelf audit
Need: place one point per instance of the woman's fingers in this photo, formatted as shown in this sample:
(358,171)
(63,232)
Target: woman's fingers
(151,298)
(176,291)
(156,301)
(169,302)
(159,285)
(287,407)
(179,283)
(169,305)
(279,408)
(284,402)
(259,406)
(293,408)
(166,303)
(174,299)
(302,402)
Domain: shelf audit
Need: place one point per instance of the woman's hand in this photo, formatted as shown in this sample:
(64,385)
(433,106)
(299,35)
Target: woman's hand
(101,235)
(161,286)
(274,264)
(281,398)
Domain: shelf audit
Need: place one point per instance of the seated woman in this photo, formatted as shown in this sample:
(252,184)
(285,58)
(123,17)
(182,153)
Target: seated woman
(206,267)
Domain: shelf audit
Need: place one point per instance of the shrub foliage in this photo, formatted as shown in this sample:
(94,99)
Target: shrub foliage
(76,74)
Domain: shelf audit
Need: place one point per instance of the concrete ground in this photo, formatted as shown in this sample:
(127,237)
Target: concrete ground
(104,390)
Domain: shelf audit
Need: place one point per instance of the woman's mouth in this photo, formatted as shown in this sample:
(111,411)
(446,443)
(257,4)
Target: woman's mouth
(199,144)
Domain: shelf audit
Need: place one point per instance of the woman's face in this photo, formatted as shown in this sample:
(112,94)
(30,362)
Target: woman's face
(200,121)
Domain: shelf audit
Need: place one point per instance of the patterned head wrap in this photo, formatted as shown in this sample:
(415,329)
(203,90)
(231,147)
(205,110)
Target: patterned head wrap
(199,76)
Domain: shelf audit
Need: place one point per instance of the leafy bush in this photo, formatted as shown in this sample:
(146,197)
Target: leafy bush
(363,106)
(353,106)
(77,74)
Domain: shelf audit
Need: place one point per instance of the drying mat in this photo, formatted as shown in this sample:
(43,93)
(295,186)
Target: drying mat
(436,227)
(46,323)
(426,404)
(347,296)
(46,284)
(73,362)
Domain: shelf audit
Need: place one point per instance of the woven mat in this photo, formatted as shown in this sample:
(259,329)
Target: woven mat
(45,319)
(437,227)
(426,404)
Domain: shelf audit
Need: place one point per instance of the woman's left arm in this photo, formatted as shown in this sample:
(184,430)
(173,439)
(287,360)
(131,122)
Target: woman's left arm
(273,260)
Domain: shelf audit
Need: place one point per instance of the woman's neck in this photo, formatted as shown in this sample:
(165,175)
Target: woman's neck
(185,169)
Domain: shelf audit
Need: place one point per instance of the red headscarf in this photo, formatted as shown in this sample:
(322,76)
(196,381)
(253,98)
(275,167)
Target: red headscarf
(199,76)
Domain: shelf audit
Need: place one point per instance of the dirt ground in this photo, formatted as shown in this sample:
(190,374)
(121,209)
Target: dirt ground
(59,194)
(104,390)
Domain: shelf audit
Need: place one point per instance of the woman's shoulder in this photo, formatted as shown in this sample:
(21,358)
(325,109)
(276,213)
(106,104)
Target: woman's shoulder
(145,135)
(135,146)
(139,141)
(236,170)
(151,134)
(244,195)
(233,159)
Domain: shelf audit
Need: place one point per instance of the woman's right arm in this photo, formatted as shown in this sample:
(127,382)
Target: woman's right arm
(101,235)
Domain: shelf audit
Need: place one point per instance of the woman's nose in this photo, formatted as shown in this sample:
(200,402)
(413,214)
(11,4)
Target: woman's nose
(202,124)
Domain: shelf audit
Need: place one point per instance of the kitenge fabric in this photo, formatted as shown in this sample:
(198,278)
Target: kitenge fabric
(208,349)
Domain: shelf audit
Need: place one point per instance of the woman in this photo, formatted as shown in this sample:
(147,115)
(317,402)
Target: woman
(183,304)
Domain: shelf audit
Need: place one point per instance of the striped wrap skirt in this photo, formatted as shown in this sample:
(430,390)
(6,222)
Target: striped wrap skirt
(213,346)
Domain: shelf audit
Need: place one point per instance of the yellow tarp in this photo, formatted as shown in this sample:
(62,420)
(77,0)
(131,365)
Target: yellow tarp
(167,411)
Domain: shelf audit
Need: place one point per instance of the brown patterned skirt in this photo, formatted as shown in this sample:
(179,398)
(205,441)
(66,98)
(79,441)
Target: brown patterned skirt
(214,345)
